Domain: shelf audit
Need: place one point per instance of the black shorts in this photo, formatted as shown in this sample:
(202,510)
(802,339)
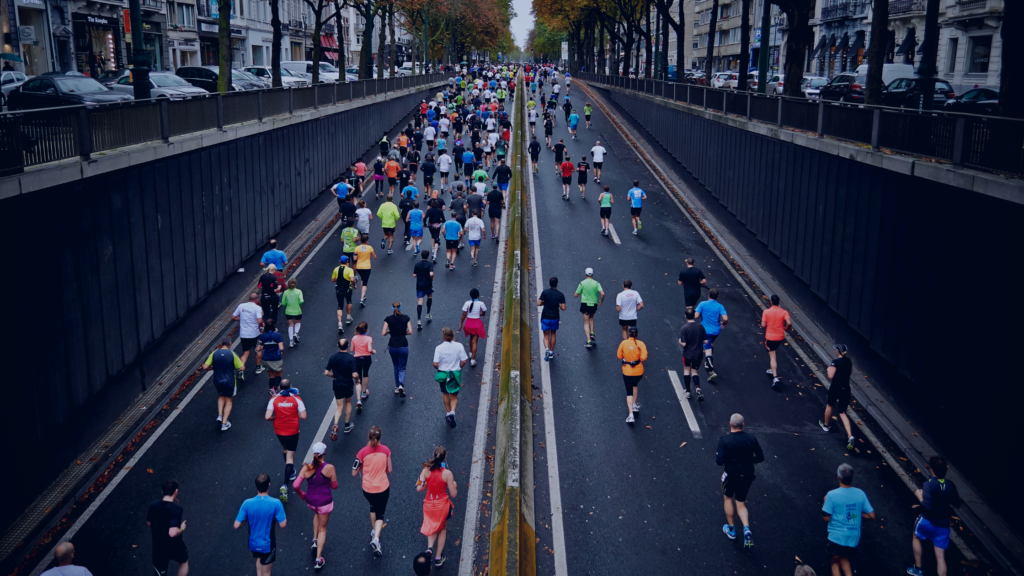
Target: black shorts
(388,231)
(631,382)
(627,322)
(773,345)
(736,486)
(588,309)
(451,244)
(435,233)
(692,362)
(566,179)
(833,549)
(363,365)
(364,274)
(293,316)
(266,558)
(839,398)
(634,211)
(534,157)
(176,552)
(248,343)
(343,390)
(428,180)
(343,299)
(598,165)
(378,501)
(392,181)
(581,180)
(226,391)
(289,443)
(587,116)
(691,299)
(469,170)
(444,174)
(494,213)
(547,131)
(606,212)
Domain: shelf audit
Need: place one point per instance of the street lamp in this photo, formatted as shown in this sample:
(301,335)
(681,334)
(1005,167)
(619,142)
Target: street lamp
(140,58)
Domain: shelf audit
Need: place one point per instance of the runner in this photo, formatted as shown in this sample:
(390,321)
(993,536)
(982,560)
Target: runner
(474,234)
(627,304)
(598,152)
(844,509)
(468,164)
(737,453)
(374,462)
(587,111)
(398,326)
(414,224)
(549,129)
(363,217)
(452,239)
(574,120)
(449,358)
(435,220)
(226,367)
(261,512)
(535,154)
(458,206)
(292,301)
(471,324)
(249,316)
(495,205)
(389,214)
(713,318)
(341,191)
(349,238)
(581,176)
(606,200)
(552,301)
(691,279)
(502,175)
(64,556)
(270,297)
(321,479)
(341,366)
(274,256)
(364,255)
(839,372)
(938,497)
(392,168)
(444,164)
(632,353)
(559,150)
(360,169)
(532,116)
(423,271)
(775,321)
(363,350)
(591,296)
(428,168)
(269,346)
(378,175)
(344,279)
(285,410)
(164,519)
(567,168)
(636,200)
(440,486)
(428,134)
(693,339)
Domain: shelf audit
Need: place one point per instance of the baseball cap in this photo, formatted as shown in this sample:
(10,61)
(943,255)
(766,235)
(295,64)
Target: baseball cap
(344,258)
(841,348)
(319,448)
(589,271)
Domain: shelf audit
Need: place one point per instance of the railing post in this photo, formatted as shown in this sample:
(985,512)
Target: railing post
(165,120)
(876,122)
(259,105)
(220,111)
(334,92)
(291,100)
(687,94)
(779,114)
(821,119)
(705,97)
(316,96)
(958,141)
(84,135)
(748,105)
(674,92)
(725,102)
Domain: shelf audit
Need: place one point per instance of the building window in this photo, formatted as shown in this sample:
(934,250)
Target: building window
(951,55)
(186,16)
(981,47)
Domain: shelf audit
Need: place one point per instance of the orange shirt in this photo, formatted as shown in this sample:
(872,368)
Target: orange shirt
(403,141)
(375,468)
(630,350)
(774,320)
(393,167)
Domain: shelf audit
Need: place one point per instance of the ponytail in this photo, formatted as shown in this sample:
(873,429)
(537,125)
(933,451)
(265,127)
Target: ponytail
(440,454)
(374,436)
(318,459)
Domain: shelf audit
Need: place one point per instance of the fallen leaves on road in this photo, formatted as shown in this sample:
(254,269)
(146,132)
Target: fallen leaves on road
(683,444)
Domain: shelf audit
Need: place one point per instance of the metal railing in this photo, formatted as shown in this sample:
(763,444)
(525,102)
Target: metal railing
(33,137)
(845,9)
(983,142)
(898,7)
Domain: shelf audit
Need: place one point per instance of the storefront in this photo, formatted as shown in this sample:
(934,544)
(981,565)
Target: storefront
(260,44)
(97,43)
(239,52)
(184,53)
(209,44)
(33,37)
(152,43)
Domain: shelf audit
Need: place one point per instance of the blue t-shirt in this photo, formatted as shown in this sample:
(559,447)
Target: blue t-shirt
(846,506)
(710,314)
(636,197)
(261,512)
(415,219)
(342,190)
(430,114)
(410,191)
(270,341)
(441,144)
(275,257)
(468,157)
(574,119)
(452,229)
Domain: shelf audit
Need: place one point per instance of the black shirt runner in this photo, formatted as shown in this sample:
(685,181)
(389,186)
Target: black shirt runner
(396,328)
(553,299)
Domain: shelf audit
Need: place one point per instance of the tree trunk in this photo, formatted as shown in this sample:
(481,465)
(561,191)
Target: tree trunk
(1011,87)
(340,24)
(627,49)
(318,26)
(741,79)
(710,54)
(648,46)
(391,31)
(382,38)
(224,40)
(664,44)
(600,51)
(876,51)
(929,60)
(366,52)
(681,63)
(275,44)
(800,37)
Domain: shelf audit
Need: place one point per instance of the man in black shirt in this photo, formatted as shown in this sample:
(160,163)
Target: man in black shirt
(839,372)
(423,271)
(164,519)
(582,168)
(458,205)
(552,300)
(503,175)
(691,279)
(342,368)
(534,153)
(428,168)
(404,206)
(559,152)
(938,497)
(457,151)
(495,204)
(692,338)
(348,209)
(435,220)
(737,453)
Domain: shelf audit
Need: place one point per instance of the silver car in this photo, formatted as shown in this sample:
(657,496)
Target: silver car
(288,78)
(10,80)
(810,86)
(162,85)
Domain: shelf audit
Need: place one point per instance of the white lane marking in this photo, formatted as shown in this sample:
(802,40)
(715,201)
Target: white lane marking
(550,444)
(690,418)
(321,432)
(309,257)
(615,236)
(476,472)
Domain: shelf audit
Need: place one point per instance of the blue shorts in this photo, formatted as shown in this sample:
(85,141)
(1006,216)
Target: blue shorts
(424,293)
(549,324)
(474,242)
(711,340)
(416,232)
(503,187)
(572,126)
(925,530)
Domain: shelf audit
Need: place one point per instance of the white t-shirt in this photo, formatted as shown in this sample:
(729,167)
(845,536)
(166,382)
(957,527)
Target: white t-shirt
(69,570)
(532,114)
(491,123)
(474,228)
(363,222)
(249,314)
(492,138)
(443,162)
(598,153)
(555,89)
(449,355)
(627,301)
(481,188)
(473,309)
(443,124)
(428,133)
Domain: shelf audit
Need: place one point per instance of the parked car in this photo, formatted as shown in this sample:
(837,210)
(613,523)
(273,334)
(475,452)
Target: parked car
(845,87)
(328,73)
(810,86)
(909,92)
(776,83)
(696,78)
(719,79)
(890,72)
(976,101)
(260,83)
(751,82)
(58,89)
(206,77)
(407,69)
(288,78)
(9,81)
(162,85)
(110,77)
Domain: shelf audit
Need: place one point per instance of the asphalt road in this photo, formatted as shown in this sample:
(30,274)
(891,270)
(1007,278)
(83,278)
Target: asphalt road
(652,490)
(216,470)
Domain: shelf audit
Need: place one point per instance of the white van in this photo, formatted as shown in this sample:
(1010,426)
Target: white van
(890,72)
(328,73)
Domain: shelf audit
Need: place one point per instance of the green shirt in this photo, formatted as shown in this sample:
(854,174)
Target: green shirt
(292,302)
(349,236)
(606,200)
(587,110)
(480,176)
(589,291)
(388,214)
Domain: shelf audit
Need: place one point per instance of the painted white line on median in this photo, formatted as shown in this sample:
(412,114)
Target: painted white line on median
(550,444)
(615,235)
(321,432)
(309,257)
(690,418)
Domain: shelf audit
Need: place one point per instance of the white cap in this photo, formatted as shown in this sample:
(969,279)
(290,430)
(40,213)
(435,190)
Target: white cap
(589,271)
(319,448)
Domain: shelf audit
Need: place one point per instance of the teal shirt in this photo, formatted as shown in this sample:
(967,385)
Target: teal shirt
(846,506)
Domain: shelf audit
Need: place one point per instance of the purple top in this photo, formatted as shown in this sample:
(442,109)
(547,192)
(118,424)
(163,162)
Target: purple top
(319,489)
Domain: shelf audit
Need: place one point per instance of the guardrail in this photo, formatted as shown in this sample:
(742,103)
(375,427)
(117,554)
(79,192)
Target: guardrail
(513,548)
(33,137)
(988,143)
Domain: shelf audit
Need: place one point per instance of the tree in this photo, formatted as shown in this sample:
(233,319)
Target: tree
(275,44)
(801,35)
(318,25)
(708,58)
(741,80)
(929,61)
(391,31)
(340,25)
(368,9)
(876,51)
(224,83)
(1011,87)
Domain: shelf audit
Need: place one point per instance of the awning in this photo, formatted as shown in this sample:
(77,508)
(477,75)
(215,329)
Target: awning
(819,46)
(908,44)
(858,43)
(325,41)
(843,43)
(831,44)
(331,55)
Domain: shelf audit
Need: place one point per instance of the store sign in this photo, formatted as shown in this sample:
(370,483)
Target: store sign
(268,39)
(37,4)
(27,34)
(565,50)
(204,27)
(93,19)
(127,23)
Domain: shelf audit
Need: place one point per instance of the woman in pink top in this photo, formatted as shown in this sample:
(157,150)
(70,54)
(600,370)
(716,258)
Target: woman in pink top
(374,460)
(362,349)
(321,478)
(440,486)
(360,173)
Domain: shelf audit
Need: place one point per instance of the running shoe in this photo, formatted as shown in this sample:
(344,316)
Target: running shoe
(429,317)
(341,328)
(382,243)
(434,259)
(293,475)
(849,443)
(775,384)
(687,394)
(548,355)
(472,361)
(419,325)
(823,426)
(375,546)
(334,433)
(348,320)
(588,345)
(700,395)
(593,338)
(636,408)
(401,391)
(260,369)
(241,375)
(364,395)
(359,406)
(220,418)
(439,561)
(349,427)
(447,262)
(319,564)
(291,343)
(639,225)
(748,538)
(915,571)
(283,497)
(730,532)
(362,302)
(712,375)
(452,422)
(390,252)
(474,262)
(634,231)
(297,339)
(312,547)
(768,372)
(396,390)
(227,425)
